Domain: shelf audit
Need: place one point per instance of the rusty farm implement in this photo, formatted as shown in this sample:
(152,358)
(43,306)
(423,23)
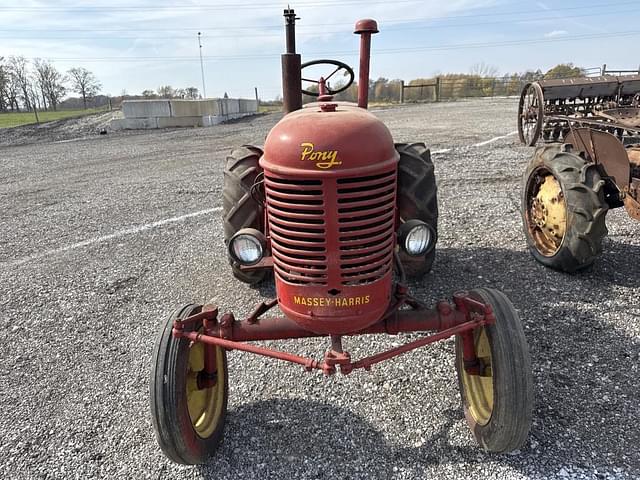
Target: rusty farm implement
(589,164)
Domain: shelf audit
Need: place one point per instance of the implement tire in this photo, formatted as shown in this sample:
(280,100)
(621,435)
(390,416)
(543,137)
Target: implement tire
(563,209)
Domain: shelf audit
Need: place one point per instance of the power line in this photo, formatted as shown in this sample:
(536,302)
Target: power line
(191,7)
(396,51)
(302,25)
(303,34)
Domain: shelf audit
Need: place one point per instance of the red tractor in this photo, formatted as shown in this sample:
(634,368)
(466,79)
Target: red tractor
(340,215)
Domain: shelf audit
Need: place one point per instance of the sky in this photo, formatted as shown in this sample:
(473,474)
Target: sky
(133,46)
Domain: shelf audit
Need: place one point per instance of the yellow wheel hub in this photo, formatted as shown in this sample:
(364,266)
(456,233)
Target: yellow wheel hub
(478,389)
(205,405)
(548,216)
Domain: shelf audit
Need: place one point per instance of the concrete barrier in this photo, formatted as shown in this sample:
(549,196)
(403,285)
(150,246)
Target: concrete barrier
(134,123)
(248,106)
(192,108)
(146,108)
(148,114)
(167,122)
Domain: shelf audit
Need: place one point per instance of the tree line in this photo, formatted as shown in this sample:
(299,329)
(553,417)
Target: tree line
(167,91)
(481,81)
(37,84)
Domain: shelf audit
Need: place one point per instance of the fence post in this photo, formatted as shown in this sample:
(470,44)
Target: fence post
(438,89)
(401,91)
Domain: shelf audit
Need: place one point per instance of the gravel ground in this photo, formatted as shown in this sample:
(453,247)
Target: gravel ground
(83,288)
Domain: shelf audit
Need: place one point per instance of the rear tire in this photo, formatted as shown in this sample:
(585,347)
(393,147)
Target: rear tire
(498,404)
(578,241)
(239,208)
(417,199)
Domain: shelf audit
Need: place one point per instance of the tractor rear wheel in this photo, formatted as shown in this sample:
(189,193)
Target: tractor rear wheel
(188,420)
(563,209)
(239,207)
(417,199)
(498,403)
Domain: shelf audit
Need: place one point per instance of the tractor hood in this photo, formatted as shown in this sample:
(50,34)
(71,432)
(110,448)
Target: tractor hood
(327,139)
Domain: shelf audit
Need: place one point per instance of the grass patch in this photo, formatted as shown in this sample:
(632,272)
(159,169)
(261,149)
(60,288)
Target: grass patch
(25,118)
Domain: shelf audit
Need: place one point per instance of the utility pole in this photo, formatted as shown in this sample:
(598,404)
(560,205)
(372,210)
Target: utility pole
(204,88)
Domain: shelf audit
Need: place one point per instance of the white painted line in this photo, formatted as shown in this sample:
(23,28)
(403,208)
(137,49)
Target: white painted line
(475,145)
(111,236)
(71,140)
(494,139)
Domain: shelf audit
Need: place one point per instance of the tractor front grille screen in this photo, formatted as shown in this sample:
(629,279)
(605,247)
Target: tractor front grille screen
(298,231)
(366,219)
(334,232)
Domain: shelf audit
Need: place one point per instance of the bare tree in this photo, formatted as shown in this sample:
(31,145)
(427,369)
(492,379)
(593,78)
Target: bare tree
(483,70)
(4,84)
(84,83)
(166,91)
(50,81)
(8,89)
(19,71)
(192,92)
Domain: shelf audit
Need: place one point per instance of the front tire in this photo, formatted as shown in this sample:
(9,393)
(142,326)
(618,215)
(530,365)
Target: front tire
(189,422)
(417,199)
(498,404)
(563,209)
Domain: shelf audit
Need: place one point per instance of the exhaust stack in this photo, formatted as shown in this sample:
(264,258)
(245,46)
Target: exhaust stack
(365,28)
(291,74)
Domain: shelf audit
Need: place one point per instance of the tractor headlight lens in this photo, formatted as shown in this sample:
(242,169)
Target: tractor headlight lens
(416,237)
(247,247)
(417,240)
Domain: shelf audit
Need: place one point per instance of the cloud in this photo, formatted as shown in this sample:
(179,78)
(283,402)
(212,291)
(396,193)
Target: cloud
(556,33)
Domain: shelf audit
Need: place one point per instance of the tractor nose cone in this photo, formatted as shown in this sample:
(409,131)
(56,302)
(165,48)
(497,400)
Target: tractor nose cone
(366,25)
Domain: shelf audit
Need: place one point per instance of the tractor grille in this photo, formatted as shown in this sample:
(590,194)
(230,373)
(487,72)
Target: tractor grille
(352,245)
(297,228)
(366,220)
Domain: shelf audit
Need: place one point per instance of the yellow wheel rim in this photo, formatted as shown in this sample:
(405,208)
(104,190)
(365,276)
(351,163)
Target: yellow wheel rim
(547,215)
(204,405)
(478,389)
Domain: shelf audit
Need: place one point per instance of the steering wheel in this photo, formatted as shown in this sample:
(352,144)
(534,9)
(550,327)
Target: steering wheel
(335,63)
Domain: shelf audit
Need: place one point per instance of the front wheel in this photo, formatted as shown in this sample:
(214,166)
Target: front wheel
(498,403)
(188,420)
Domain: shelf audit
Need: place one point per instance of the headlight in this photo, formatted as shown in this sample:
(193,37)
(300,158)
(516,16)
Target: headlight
(416,237)
(247,247)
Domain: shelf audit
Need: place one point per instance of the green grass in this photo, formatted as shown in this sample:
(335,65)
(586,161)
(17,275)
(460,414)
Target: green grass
(25,118)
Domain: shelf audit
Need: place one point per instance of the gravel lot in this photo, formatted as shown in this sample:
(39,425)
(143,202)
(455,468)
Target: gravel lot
(84,286)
